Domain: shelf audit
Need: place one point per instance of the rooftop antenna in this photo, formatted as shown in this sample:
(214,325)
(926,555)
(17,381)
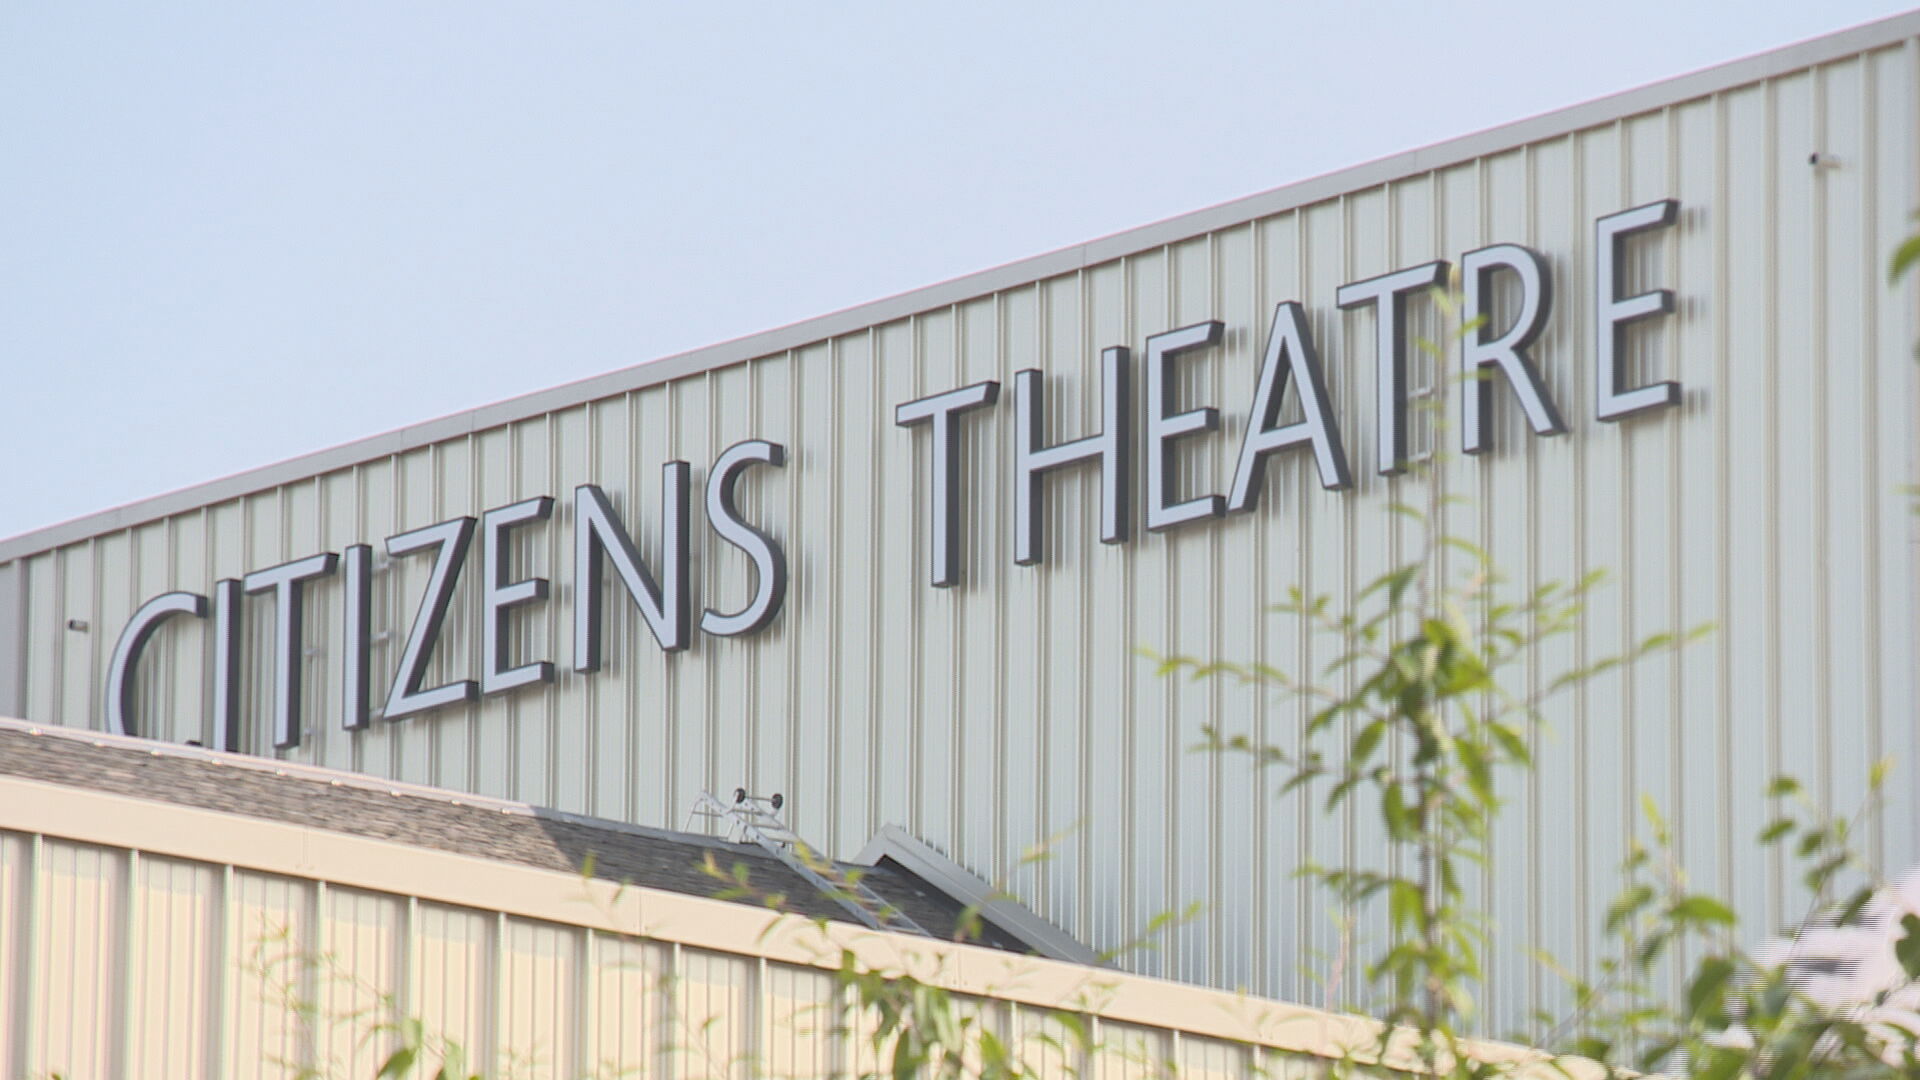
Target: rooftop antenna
(755,818)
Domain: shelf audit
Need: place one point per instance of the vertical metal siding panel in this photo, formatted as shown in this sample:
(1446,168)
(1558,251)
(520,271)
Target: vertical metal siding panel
(1647,575)
(1796,493)
(272,934)
(1272,568)
(74,1010)
(535,1016)
(79,574)
(1193,830)
(325,742)
(544,551)
(940,692)
(625,470)
(261,544)
(1128,1052)
(1749,441)
(1022,820)
(628,1002)
(45,629)
(666,690)
(362,973)
(1241,808)
(17,942)
(1211,1059)
(731,699)
(1488,205)
(800,1019)
(377,503)
(502,748)
(1072,547)
(552,770)
(301,535)
(1698,740)
(592,438)
(894,724)
(1553,852)
(416,506)
(171,959)
(1846,275)
(799,507)
(854,634)
(762,410)
(453,491)
(1893,451)
(979,767)
(1321,519)
(129,560)
(696,690)
(454,974)
(186,568)
(1374,244)
(14,620)
(1152,882)
(716,1014)
(1607,517)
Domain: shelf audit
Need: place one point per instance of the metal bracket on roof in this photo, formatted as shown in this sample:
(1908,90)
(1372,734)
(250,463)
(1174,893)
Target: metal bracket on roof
(752,817)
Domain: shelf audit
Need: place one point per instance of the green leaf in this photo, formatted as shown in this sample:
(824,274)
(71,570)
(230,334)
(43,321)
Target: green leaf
(1908,947)
(397,1063)
(1393,807)
(1708,987)
(1704,909)
(1904,258)
(1365,743)
(1783,786)
(1775,829)
(1624,906)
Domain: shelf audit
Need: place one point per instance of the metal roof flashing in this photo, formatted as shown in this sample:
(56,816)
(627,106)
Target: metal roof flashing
(913,855)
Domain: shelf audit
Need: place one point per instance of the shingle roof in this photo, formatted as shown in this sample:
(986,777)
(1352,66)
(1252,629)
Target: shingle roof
(453,822)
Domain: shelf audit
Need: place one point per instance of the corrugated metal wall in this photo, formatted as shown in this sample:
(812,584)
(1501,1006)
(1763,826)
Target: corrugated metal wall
(126,964)
(1014,708)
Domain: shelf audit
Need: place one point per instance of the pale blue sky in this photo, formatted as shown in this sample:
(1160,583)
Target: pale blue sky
(235,232)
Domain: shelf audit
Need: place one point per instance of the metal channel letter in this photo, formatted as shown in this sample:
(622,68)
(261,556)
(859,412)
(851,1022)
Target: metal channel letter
(941,411)
(1482,355)
(1289,355)
(133,641)
(769,561)
(1388,295)
(1111,447)
(499,596)
(286,583)
(596,532)
(1164,427)
(356,641)
(449,541)
(1613,399)
(229,599)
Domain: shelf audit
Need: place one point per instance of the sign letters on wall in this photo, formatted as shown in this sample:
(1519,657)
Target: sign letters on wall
(1489,358)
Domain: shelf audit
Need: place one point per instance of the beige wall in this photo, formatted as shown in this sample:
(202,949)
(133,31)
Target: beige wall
(987,717)
(142,940)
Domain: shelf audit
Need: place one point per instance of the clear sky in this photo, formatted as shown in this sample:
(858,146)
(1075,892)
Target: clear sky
(235,232)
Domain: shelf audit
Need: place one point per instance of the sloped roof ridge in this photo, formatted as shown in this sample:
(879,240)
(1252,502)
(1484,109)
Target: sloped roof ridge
(359,781)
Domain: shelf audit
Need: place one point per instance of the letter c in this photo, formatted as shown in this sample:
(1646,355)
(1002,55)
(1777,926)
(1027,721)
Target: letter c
(133,640)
